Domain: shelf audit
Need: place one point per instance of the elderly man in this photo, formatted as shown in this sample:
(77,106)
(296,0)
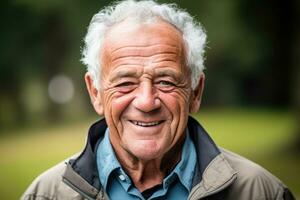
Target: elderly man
(145,76)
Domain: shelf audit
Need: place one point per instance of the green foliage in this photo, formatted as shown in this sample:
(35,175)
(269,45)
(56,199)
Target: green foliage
(260,135)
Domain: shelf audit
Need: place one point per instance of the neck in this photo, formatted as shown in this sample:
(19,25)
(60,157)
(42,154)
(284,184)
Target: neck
(149,173)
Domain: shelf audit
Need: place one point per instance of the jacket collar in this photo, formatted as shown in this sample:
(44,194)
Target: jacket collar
(81,173)
(213,172)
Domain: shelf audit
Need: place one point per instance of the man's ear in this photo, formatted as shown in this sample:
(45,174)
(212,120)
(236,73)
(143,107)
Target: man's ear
(197,95)
(94,94)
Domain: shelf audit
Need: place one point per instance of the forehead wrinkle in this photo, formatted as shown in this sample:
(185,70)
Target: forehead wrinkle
(166,57)
(159,45)
(144,60)
(144,51)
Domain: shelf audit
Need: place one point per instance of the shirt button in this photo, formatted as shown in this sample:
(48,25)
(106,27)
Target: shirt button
(122,177)
(167,183)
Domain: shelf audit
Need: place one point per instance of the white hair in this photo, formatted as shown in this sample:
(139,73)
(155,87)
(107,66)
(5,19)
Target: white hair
(144,11)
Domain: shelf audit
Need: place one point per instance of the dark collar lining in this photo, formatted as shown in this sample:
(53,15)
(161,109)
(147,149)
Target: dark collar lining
(85,165)
(206,149)
(149,192)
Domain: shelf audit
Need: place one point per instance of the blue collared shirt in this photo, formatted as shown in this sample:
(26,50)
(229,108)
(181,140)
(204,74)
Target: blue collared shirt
(118,185)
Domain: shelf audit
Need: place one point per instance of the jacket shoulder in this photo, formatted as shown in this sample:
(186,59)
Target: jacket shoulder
(50,186)
(253,181)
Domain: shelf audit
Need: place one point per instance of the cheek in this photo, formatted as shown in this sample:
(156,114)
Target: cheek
(114,107)
(119,104)
(177,102)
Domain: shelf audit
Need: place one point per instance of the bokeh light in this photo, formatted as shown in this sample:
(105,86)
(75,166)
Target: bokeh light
(61,89)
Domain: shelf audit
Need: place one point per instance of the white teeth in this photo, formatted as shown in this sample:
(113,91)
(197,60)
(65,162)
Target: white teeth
(146,124)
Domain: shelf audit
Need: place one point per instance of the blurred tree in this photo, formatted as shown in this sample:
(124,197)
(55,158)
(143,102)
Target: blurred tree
(38,41)
(55,47)
(16,52)
(296,75)
(275,29)
(279,24)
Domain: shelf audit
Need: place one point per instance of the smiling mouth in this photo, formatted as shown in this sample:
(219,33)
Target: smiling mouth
(146,124)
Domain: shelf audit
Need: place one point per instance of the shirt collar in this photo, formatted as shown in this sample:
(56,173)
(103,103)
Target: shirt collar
(106,159)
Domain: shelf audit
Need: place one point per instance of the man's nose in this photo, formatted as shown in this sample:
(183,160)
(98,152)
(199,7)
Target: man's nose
(146,98)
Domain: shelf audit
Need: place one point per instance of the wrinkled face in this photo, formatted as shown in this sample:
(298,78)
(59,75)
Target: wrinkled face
(145,90)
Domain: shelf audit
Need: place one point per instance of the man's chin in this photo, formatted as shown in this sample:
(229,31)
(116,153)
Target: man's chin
(146,151)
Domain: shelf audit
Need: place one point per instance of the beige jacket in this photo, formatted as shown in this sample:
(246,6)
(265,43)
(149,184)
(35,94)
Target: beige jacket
(220,174)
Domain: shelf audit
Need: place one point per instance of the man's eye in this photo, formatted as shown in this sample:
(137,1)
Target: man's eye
(125,87)
(125,84)
(166,83)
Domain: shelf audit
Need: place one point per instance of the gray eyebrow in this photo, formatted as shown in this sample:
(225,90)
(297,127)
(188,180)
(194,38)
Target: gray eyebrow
(167,72)
(124,73)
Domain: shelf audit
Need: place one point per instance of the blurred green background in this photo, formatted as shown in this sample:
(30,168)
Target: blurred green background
(251,103)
